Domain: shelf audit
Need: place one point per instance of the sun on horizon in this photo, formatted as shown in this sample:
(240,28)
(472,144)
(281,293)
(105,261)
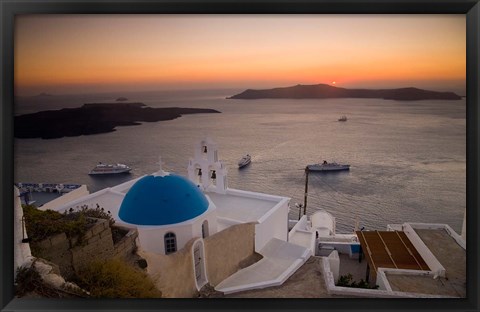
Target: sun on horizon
(99,53)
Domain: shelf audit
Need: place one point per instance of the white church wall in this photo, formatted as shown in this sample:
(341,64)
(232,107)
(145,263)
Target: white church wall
(273,225)
(211,218)
(152,238)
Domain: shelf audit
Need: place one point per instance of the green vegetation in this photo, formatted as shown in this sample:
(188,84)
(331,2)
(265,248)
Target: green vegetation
(347,281)
(43,224)
(101,278)
(97,212)
(116,279)
(27,280)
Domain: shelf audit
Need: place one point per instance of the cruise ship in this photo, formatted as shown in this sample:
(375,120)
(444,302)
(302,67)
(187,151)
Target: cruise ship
(325,166)
(109,169)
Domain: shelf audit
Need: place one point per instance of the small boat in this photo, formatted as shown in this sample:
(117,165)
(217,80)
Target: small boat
(326,166)
(343,118)
(109,169)
(244,161)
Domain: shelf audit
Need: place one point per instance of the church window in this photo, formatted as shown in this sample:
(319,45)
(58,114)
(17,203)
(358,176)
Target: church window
(205,229)
(170,243)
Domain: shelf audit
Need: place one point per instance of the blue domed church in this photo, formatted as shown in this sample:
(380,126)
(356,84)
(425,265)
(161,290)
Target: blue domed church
(197,225)
(168,210)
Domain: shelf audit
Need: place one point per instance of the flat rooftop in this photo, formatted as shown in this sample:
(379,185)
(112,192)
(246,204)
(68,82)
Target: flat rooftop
(240,208)
(108,200)
(452,257)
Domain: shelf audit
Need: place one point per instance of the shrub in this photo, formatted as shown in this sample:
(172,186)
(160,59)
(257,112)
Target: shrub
(27,280)
(347,281)
(42,224)
(115,279)
(97,212)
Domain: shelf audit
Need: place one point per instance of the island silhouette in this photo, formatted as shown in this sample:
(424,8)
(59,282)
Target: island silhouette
(94,118)
(325,91)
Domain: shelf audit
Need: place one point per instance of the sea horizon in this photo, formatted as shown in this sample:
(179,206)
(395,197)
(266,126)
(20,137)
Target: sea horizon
(390,141)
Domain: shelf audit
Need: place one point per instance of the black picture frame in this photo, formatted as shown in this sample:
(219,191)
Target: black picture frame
(10,8)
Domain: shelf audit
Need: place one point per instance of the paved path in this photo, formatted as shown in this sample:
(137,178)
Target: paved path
(280,260)
(306,282)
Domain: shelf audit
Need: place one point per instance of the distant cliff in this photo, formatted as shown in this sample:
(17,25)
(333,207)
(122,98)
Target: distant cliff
(93,119)
(324,91)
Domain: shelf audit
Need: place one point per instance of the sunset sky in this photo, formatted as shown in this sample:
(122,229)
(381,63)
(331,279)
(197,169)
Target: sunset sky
(62,54)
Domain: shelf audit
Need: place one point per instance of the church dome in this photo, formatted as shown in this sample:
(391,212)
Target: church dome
(162,200)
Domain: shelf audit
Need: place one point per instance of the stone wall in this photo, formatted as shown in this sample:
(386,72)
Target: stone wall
(226,250)
(127,245)
(56,249)
(97,244)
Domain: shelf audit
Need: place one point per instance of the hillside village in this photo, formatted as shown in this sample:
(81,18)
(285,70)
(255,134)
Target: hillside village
(165,235)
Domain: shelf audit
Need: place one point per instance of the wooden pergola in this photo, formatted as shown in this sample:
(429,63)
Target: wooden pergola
(388,249)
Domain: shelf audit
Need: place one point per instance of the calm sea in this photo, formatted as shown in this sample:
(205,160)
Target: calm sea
(408,159)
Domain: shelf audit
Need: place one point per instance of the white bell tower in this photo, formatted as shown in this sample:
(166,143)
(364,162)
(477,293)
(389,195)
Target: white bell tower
(205,170)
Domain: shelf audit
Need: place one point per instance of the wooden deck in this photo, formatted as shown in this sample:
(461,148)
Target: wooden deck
(389,249)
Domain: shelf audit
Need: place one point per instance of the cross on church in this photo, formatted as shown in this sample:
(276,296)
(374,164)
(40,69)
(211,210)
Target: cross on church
(160,163)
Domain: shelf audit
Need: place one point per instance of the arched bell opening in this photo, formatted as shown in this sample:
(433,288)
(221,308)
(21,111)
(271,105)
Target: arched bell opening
(198,175)
(204,150)
(213,176)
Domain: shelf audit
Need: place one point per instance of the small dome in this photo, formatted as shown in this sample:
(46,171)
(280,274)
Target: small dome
(162,200)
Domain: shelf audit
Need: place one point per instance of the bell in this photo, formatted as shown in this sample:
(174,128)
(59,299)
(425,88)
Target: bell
(199,172)
(214,175)
(205,149)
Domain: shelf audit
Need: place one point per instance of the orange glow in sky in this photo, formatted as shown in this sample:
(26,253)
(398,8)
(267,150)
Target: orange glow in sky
(87,53)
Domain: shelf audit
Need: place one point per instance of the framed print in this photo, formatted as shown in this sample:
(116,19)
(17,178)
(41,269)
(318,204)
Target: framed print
(225,155)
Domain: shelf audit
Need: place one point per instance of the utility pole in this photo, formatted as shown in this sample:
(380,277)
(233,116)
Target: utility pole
(306,191)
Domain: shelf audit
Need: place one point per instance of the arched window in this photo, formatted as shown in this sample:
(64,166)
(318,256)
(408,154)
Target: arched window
(170,241)
(205,229)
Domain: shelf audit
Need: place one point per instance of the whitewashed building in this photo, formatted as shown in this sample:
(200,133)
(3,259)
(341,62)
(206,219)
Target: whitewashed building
(168,209)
